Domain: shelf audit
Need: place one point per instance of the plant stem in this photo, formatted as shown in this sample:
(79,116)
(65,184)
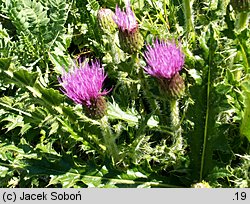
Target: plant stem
(241,21)
(175,120)
(187,5)
(109,140)
(115,52)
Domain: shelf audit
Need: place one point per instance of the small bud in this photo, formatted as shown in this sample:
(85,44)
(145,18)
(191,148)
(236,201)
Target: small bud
(241,5)
(202,184)
(105,20)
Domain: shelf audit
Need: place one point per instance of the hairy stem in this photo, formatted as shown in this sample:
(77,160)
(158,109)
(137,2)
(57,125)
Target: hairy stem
(187,5)
(109,140)
(115,52)
(175,120)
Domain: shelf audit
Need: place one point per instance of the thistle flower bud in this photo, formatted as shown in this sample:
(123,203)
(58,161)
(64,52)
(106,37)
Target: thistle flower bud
(172,88)
(241,5)
(130,42)
(164,61)
(130,38)
(105,20)
(83,85)
(202,184)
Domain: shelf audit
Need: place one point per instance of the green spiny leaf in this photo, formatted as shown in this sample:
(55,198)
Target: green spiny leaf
(206,137)
(245,125)
(24,78)
(5,63)
(51,96)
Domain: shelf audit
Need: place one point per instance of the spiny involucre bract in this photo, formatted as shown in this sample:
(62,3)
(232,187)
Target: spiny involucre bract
(83,84)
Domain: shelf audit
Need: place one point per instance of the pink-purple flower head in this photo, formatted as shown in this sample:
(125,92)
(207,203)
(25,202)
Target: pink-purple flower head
(83,84)
(125,20)
(164,59)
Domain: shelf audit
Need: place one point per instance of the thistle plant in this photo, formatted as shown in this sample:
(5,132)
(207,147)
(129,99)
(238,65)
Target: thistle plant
(130,38)
(164,61)
(136,140)
(83,85)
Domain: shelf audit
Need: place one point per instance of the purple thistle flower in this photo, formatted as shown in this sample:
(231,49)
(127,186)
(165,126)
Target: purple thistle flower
(164,59)
(83,85)
(125,20)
